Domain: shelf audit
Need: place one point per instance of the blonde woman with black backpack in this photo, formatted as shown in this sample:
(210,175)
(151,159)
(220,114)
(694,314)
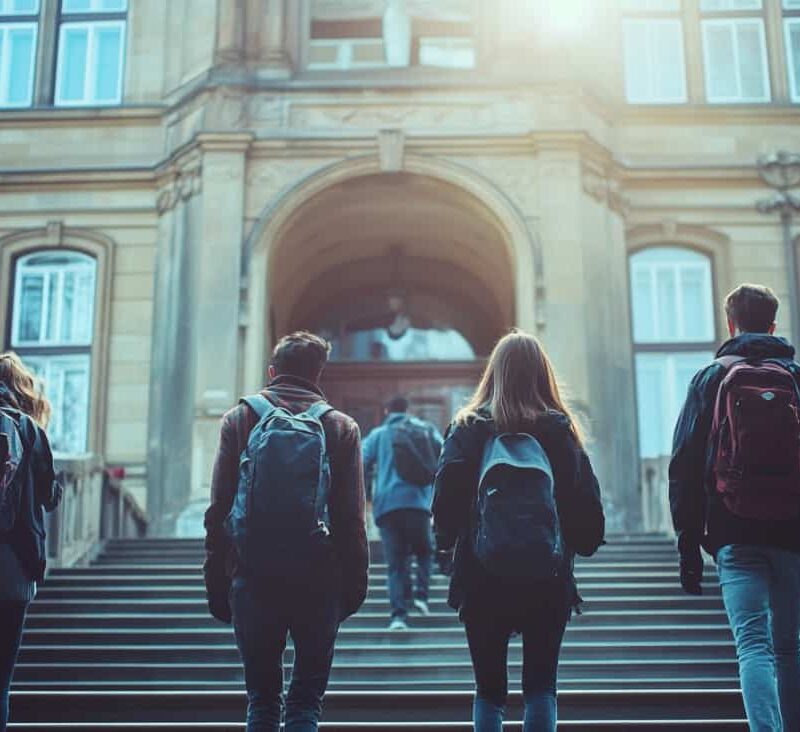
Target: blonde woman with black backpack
(28,488)
(516,497)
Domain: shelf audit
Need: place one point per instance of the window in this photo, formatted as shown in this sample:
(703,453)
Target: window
(673,334)
(655,72)
(791,26)
(52,328)
(735,51)
(91,47)
(19,25)
(364,34)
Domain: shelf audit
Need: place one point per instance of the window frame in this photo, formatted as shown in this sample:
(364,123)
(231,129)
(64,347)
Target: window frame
(92,20)
(92,244)
(414,70)
(670,348)
(766,74)
(663,18)
(790,17)
(9,20)
(58,350)
(5,78)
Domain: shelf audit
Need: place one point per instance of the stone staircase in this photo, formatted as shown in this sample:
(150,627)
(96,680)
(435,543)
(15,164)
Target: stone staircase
(127,643)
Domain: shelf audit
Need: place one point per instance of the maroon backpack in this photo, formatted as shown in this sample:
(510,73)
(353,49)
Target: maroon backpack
(756,440)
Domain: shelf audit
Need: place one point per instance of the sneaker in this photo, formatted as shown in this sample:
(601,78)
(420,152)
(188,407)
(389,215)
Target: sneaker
(422,607)
(398,623)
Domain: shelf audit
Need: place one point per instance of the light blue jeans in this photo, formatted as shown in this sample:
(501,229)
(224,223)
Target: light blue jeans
(761,591)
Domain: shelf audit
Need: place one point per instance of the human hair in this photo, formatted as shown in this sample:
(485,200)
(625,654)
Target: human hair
(752,308)
(518,386)
(23,391)
(397,404)
(301,354)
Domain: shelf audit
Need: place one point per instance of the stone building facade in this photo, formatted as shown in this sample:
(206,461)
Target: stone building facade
(182,182)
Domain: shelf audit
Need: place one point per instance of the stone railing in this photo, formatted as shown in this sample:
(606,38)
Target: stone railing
(94,507)
(655,495)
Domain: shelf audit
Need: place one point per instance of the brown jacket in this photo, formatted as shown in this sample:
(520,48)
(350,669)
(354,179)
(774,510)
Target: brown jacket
(346,505)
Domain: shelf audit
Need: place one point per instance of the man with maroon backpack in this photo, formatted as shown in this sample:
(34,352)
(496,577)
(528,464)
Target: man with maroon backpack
(735,491)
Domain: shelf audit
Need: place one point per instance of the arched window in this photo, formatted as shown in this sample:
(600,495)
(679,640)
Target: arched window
(673,334)
(52,327)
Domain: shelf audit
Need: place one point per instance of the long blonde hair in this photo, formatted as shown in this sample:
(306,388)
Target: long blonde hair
(518,386)
(24,389)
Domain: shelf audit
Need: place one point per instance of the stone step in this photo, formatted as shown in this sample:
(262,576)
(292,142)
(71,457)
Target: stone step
(68,671)
(364,619)
(388,652)
(198,605)
(342,706)
(595,725)
(221,635)
(377,592)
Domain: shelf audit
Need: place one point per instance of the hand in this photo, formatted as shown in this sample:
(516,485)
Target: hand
(691,570)
(444,560)
(219,606)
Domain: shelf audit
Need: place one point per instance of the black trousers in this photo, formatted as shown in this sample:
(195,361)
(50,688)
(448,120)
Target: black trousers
(12,618)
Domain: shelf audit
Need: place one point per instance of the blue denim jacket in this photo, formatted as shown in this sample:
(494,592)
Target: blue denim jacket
(390,491)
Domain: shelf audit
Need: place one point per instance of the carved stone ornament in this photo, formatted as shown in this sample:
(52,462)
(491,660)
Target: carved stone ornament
(605,189)
(391,148)
(186,183)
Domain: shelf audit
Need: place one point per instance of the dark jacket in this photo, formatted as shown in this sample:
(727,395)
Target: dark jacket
(577,497)
(699,517)
(347,503)
(40,492)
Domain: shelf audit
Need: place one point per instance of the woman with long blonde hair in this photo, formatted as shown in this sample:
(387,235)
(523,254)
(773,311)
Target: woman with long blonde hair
(27,489)
(517,400)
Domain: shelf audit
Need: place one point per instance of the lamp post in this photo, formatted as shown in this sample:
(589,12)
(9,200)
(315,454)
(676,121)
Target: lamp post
(781,171)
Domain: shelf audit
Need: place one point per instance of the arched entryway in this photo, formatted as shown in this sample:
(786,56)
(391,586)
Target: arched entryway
(411,275)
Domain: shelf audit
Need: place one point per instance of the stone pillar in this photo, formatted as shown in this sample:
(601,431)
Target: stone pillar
(587,331)
(230,44)
(215,348)
(609,347)
(171,372)
(268,26)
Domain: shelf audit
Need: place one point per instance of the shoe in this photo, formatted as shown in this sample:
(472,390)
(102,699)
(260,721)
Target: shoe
(398,623)
(422,607)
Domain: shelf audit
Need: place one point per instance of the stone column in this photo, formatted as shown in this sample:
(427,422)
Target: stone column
(587,331)
(216,314)
(171,372)
(268,27)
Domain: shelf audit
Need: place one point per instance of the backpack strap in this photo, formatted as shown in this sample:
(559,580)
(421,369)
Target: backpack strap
(259,404)
(319,409)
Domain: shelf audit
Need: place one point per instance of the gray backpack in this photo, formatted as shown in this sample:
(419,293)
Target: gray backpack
(279,519)
(518,532)
(11,455)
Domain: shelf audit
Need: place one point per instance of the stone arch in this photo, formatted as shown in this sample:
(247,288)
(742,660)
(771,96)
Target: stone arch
(101,248)
(278,215)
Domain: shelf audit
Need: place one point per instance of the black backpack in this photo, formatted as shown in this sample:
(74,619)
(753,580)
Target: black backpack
(11,454)
(518,532)
(415,450)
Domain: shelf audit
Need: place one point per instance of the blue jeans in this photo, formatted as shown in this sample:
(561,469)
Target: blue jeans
(12,618)
(761,591)
(406,533)
(541,623)
(263,616)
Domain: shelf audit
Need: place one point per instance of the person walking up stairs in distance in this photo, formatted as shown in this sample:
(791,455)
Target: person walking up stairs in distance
(517,497)
(287,524)
(734,483)
(403,451)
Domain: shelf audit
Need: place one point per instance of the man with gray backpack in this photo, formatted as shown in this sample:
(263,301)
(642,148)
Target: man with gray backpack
(403,452)
(286,545)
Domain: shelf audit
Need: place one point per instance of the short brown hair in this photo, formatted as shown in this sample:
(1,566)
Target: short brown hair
(752,308)
(301,354)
